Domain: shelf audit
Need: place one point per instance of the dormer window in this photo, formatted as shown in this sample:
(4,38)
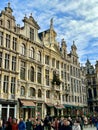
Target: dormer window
(8,23)
(31,34)
(14,29)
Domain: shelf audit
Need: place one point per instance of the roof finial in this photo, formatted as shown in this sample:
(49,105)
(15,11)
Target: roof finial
(9,4)
(31,14)
(51,23)
(73,42)
(25,15)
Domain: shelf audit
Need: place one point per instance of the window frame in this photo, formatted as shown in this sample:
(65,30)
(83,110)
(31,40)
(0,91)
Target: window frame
(7,61)
(7,45)
(22,91)
(22,70)
(13,84)
(13,63)
(1,38)
(5,83)
(14,45)
(31,34)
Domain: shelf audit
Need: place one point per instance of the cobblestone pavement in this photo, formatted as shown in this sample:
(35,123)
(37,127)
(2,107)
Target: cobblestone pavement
(90,128)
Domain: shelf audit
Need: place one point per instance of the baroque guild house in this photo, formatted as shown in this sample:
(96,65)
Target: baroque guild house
(37,75)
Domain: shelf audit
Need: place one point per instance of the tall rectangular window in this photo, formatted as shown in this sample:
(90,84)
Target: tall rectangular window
(5,84)
(1,38)
(39,56)
(47,76)
(14,63)
(39,75)
(61,65)
(53,62)
(22,70)
(62,74)
(0,80)
(46,59)
(23,49)
(7,59)
(8,24)
(57,64)
(32,53)
(13,82)
(31,34)
(65,66)
(7,41)
(0,59)
(14,45)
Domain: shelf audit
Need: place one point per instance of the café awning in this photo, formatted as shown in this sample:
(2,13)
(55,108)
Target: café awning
(27,103)
(68,106)
(49,104)
(59,106)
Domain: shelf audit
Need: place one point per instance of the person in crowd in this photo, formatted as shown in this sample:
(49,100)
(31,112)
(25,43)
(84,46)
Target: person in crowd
(55,124)
(66,125)
(70,120)
(93,120)
(96,123)
(38,125)
(47,123)
(10,120)
(85,121)
(90,121)
(61,123)
(1,124)
(40,120)
(76,125)
(34,122)
(8,126)
(14,124)
(21,125)
(28,124)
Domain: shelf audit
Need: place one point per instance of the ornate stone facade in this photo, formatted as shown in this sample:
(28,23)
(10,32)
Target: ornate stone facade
(92,86)
(37,75)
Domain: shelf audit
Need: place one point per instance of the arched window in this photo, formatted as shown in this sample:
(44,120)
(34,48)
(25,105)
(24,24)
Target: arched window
(39,93)
(32,52)
(23,49)
(47,94)
(32,74)
(39,56)
(32,92)
(22,91)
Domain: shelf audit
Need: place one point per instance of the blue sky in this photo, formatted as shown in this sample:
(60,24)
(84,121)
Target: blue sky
(73,20)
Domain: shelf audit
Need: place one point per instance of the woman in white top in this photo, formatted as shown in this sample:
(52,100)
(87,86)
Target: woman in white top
(76,126)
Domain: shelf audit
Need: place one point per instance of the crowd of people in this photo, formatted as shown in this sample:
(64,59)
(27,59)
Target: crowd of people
(49,123)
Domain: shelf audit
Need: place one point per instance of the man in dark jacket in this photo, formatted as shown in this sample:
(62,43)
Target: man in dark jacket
(28,124)
(47,123)
(66,125)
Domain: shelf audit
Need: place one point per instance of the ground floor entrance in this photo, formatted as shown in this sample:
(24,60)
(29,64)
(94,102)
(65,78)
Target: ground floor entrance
(8,109)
